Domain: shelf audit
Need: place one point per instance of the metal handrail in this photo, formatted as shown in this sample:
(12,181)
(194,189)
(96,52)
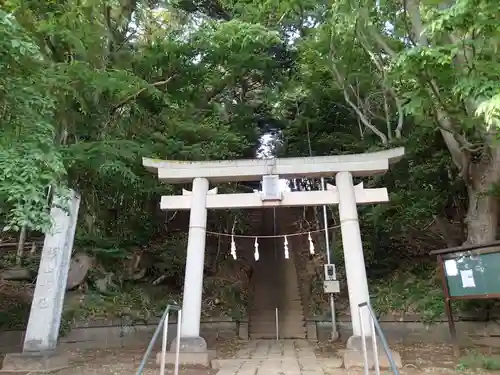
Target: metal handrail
(375,329)
(163,323)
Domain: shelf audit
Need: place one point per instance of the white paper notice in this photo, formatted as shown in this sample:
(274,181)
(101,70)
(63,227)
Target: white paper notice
(450,266)
(467,279)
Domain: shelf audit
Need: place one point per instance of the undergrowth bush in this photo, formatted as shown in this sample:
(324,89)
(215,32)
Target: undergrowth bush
(412,291)
(476,361)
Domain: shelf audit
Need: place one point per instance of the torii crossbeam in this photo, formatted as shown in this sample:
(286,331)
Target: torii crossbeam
(289,199)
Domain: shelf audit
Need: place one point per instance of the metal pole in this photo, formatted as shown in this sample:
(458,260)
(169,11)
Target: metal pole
(383,340)
(277,326)
(164,346)
(178,347)
(376,362)
(274,234)
(363,343)
(335,334)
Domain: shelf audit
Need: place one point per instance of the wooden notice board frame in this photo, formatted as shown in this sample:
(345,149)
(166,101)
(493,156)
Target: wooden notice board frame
(467,273)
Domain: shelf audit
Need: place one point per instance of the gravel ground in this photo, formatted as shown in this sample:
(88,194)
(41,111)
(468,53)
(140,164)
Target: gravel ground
(126,361)
(114,362)
(417,359)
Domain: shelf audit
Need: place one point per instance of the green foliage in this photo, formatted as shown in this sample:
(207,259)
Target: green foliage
(29,162)
(475,361)
(132,303)
(172,92)
(416,291)
(227,298)
(15,315)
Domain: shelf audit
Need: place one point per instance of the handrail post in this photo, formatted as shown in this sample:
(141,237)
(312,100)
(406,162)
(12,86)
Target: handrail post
(152,342)
(376,362)
(163,324)
(376,329)
(164,346)
(178,346)
(363,342)
(277,326)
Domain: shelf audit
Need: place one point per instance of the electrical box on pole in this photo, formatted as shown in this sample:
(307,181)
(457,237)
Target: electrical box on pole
(331,284)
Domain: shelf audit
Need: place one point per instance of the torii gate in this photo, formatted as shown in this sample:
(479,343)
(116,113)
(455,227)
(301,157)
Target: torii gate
(345,194)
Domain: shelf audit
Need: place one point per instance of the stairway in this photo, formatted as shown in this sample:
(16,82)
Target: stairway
(291,314)
(275,285)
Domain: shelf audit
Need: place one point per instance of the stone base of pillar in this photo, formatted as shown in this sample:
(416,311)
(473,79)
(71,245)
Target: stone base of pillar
(190,345)
(355,359)
(193,352)
(353,356)
(35,362)
(356,343)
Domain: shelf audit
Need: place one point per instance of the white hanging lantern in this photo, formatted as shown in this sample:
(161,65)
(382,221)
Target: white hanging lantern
(256,253)
(233,248)
(311,244)
(287,255)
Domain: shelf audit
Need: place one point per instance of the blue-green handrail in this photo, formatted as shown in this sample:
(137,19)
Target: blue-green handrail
(155,337)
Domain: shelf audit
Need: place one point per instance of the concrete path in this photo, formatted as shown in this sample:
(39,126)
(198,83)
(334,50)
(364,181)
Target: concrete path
(271,357)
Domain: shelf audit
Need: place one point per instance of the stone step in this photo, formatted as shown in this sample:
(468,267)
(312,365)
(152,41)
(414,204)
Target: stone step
(269,298)
(270,325)
(291,311)
(271,302)
(293,336)
(255,318)
(263,336)
(281,334)
(268,307)
(294,321)
(282,314)
(284,310)
(285,313)
(273,329)
(260,300)
(273,336)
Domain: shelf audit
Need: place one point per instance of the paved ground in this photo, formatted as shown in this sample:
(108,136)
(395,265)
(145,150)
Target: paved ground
(265,357)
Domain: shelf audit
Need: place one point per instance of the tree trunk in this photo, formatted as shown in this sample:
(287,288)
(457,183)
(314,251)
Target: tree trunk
(483,210)
(20,246)
(482,217)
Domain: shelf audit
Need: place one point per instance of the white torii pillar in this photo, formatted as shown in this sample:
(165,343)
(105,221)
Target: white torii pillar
(357,282)
(193,280)
(199,200)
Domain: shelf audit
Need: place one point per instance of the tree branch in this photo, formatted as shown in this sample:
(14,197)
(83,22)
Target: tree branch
(342,84)
(135,95)
(379,64)
(115,108)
